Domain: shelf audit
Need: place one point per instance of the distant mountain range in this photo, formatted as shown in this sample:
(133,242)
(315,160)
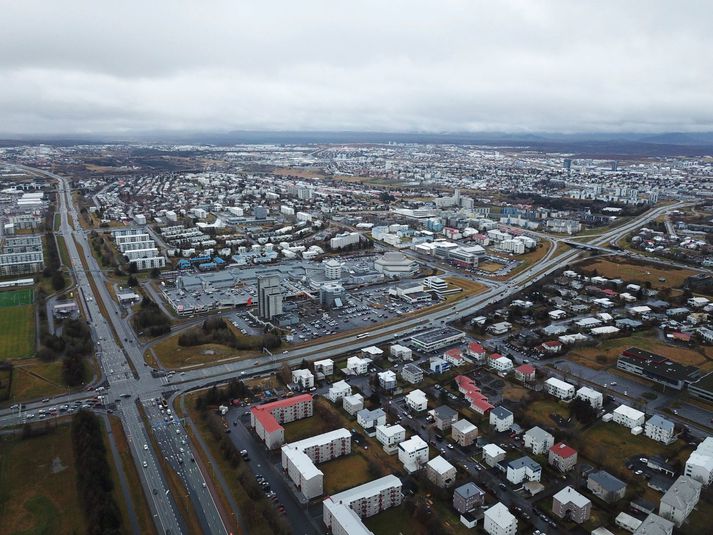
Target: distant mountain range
(599,145)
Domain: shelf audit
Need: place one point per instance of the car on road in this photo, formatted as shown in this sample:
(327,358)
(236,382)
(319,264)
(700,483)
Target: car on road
(146,446)
(145,464)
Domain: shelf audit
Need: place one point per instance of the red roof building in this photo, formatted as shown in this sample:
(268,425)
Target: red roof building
(267,419)
(562,457)
(478,402)
(525,372)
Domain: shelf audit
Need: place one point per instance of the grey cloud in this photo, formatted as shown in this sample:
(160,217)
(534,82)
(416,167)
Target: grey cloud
(84,66)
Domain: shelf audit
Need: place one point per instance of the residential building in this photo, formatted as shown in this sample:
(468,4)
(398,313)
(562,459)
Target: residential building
(339,390)
(412,373)
(266,418)
(303,378)
(660,429)
(493,454)
(444,417)
(387,380)
(464,433)
(699,465)
(476,351)
(570,503)
(438,365)
(401,352)
(680,499)
(562,457)
(525,373)
(628,416)
(353,404)
(467,497)
(390,436)
(440,472)
(538,441)
(325,367)
(559,389)
(478,402)
(591,396)
(413,453)
(501,419)
(269,297)
(363,501)
(497,520)
(523,469)
(358,365)
(605,486)
(416,400)
(627,522)
(499,363)
(654,525)
(299,459)
(369,419)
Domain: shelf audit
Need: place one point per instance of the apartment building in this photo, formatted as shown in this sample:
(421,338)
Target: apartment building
(493,454)
(591,396)
(325,367)
(467,497)
(440,472)
(398,351)
(538,441)
(413,453)
(605,486)
(680,499)
(353,404)
(570,503)
(699,465)
(390,436)
(266,418)
(523,469)
(464,433)
(339,390)
(387,380)
(365,500)
(358,365)
(559,389)
(501,419)
(299,459)
(444,417)
(370,419)
(628,416)
(411,373)
(660,429)
(21,255)
(303,378)
(562,457)
(416,400)
(498,520)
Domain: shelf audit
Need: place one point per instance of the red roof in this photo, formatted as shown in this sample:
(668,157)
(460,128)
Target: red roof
(263,413)
(563,450)
(683,337)
(552,343)
(495,356)
(455,352)
(525,369)
(475,347)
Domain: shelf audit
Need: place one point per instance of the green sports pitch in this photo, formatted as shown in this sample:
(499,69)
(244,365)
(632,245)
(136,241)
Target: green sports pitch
(16,297)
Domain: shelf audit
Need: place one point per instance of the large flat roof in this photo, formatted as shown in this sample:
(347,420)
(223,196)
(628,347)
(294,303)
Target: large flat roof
(367,489)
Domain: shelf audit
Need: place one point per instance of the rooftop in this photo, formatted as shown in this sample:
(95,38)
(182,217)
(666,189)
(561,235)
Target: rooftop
(569,495)
(563,450)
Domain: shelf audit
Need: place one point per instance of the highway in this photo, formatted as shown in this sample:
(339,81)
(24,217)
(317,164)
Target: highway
(139,386)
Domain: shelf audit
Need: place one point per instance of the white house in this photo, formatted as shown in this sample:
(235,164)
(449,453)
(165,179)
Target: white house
(680,499)
(358,365)
(416,400)
(401,352)
(591,396)
(440,472)
(699,465)
(353,404)
(387,380)
(413,453)
(559,389)
(523,469)
(325,366)
(390,436)
(493,454)
(303,378)
(628,416)
(659,429)
(538,441)
(501,418)
(369,420)
(412,373)
(499,521)
(500,364)
(339,390)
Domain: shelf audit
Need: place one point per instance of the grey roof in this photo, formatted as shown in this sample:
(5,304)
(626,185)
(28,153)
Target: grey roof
(444,412)
(501,412)
(684,491)
(607,481)
(371,415)
(663,423)
(526,462)
(468,490)
(654,525)
(539,433)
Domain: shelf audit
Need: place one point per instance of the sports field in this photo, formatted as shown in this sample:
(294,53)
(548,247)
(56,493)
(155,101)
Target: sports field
(16,297)
(17,324)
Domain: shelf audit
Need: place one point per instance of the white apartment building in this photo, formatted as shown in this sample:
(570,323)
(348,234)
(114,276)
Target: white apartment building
(353,404)
(299,459)
(498,520)
(303,378)
(699,465)
(325,367)
(155,262)
(501,419)
(401,352)
(538,441)
(413,453)
(628,416)
(523,469)
(387,380)
(369,419)
(390,436)
(680,499)
(358,365)
(344,240)
(591,396)
(339,390)
(440,472)
(559,389)
(412,373)
(416,400)
(501,364)
(660,429)
(493,454)
(365,500)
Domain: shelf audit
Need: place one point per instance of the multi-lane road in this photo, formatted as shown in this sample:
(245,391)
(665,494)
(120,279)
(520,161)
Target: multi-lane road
(129,380)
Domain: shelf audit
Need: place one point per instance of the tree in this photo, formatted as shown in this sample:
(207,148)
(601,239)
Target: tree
(132,281)
(155,273)
(58,282)
(285,373)
(133,269)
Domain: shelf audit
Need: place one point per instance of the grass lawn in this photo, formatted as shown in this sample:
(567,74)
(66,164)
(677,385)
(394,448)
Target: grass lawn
(514,392)
(538,412)
(395,521)
(344,473)
(173,356)
(38,490)
(17,331)
(305,428)
(16,297)
(674,277)
(63,253)
(610,445)
(35,379)
(5,377)
(647,340)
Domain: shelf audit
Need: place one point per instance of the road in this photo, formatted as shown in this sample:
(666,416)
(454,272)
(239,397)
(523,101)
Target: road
(115,354)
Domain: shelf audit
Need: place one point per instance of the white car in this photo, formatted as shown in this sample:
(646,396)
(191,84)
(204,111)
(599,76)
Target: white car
(146,446)
(146,464)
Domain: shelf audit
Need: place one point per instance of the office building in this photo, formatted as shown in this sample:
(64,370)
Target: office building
(269,297)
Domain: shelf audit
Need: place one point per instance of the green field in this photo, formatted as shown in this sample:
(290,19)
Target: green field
(16,297)
(17,331)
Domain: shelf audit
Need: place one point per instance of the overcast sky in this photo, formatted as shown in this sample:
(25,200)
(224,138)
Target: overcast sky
(77,67)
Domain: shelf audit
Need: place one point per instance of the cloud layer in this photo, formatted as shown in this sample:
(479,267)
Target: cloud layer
(78,67)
